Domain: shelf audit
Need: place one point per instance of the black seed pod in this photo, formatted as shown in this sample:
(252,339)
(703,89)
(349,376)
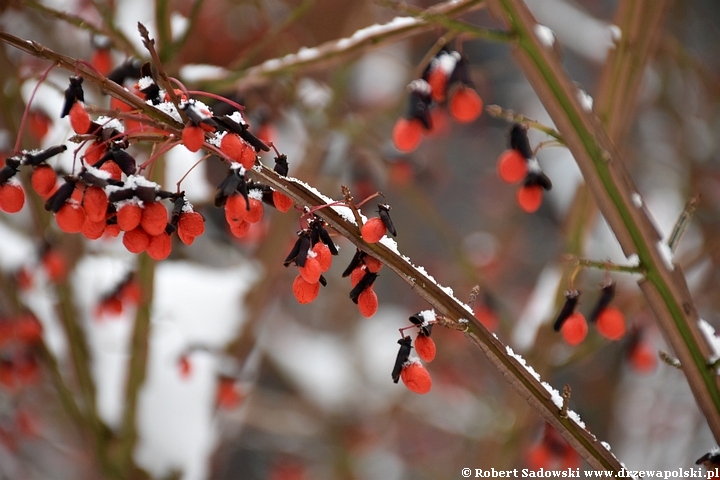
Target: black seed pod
(365,282)
(73,93)
(384,211)
(425,328)
(152,91)
(419,102)
(130,68)
(299,252)
(606,295)
(402,357)
(519,140)
(356,261)
(9,170)
(228,186)
(256,143)
(58,199)
(571,300)
(538,178)
(40,157)
(281,165)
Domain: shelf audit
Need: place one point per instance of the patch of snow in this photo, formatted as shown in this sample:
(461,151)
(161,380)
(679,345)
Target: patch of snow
(637,200)
(195,73)
(709,333)
(586,101)
(666,254)
(545,35)
(538,308)
(178,25)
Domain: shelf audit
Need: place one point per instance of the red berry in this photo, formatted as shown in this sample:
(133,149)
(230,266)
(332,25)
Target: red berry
(311,271)
(240,229)
(12,197)
(324,257)
(416,378)
(529,198)
(109,307)
(70,217)
(129,216)
(102,60)
(373,230)
(438,83)
(113,169)
(55,265)
(235,209)
(112,230)
(642,358)
(304,291)
(39,123)
(256,211)
(190,225)
(465,105)
(95,152)
(43,180)
(193,137)
(79,118)
(93,230)
(512,166)
(574,329)
(185,366)
(159,247)
(281,201)
(367,302)
(611,323)
(406,134)
(372,264)
(136,240)
(154,218)
(95,203)
(28,329)
(228,396)
(357,275)
(425,348)
(238,150)
(487,317)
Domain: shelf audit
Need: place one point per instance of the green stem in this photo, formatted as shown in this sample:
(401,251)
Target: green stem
(612,187)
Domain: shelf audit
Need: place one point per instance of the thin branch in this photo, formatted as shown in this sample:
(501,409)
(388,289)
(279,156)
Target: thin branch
(498,112)
(682,222)
(603,169)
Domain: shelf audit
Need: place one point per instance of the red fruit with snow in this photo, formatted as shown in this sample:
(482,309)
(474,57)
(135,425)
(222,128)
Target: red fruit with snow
(12,197)
(415,377)
(373,230)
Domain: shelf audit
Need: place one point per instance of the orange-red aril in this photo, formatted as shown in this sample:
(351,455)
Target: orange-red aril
(367,302)
(406,134)
(512,166)
(529,198)
(574,329)
(416,378)
(304,291)
(465,105)
(611,323)
(373,230)
(425,348)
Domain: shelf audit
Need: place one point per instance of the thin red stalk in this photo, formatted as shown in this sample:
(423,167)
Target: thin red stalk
(217,97)
(42,78)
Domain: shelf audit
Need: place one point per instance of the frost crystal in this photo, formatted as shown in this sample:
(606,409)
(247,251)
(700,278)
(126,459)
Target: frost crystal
(709,333)
(255,193)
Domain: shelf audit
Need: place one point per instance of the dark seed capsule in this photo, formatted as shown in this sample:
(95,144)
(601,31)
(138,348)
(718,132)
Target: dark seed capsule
(538,178)
(255,142)
(365,282)
(519,140)
(419,105)
(384,211)
(571,300)
(299,252)
(281,165)
(40,157)
(356,261)
(402,357)
(606,296)
(130,68)
(58,199)
(73,93)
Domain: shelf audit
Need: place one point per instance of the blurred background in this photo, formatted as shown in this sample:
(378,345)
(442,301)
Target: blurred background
(242,381)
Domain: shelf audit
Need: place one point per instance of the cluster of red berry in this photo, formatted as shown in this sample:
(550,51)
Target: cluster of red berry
(446,76)
(18,364)
(552,452)
(413,374)
(609,320)
(518,164)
